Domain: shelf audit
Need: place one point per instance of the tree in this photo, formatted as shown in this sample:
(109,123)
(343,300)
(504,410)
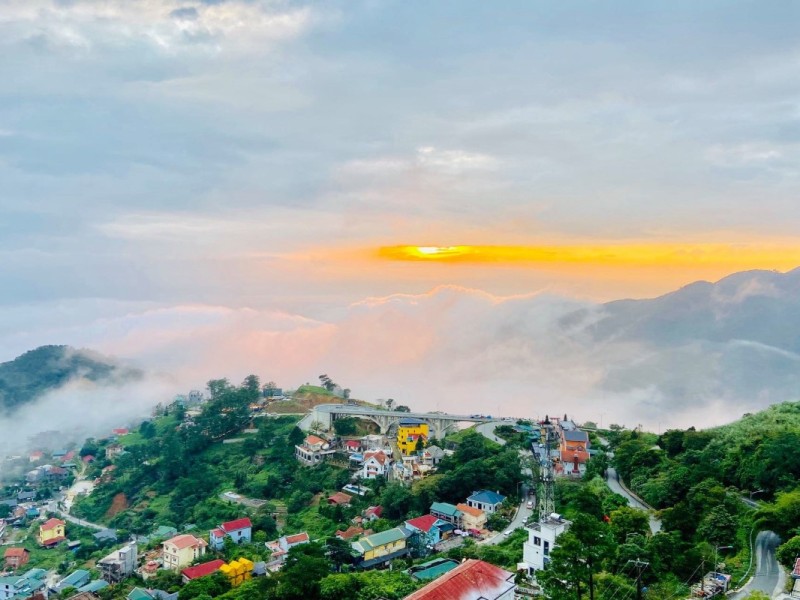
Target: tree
(718,526)
(147,430)
(316,426)
(211,585)
(327,382)
(402,408)
(305,567)
(567,571)
(346,393)
(389,403)
(345,426)
(338,552)
(396,500)
(789,551)
(626,521)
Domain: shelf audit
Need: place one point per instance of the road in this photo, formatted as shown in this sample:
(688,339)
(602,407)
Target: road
(487,431)
(52,507)
(523,512)
(768,573)
(612,479)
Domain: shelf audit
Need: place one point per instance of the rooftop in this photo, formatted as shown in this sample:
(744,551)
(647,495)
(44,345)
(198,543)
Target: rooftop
(185,541)
(203,569)
(423,523)
(52,524)
(487,497)
(237,524)
(471,579)
(445,509)
(469,510)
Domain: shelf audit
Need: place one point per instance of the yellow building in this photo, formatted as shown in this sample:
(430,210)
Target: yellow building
(52,532)
(238,571)
(380,548)
(408,433)
(181,551)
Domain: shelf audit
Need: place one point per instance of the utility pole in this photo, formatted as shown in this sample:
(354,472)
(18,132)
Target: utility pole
(640,565)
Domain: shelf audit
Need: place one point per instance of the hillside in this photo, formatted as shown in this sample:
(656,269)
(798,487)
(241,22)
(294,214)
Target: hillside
(46,368)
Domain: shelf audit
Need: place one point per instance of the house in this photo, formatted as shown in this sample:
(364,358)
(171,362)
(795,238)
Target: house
(36,456)
(374,442)
(23,586)
(51,532)
(105,535)
(238,571)
(340,499)
(164,532)
(447,512)
(541,540)
(239,530)
(485,500)
(201,570)
(372,513)
(93,587)
(280,548)
(16,557)
(119,564)
(149,594)
(28,496)
(312,451)
(181,551)
(380,548)
(120,431)
(432,569)
(76,579)
(113,450)
(352,446)
(409,432)
(573,449)
(350,532)
(471,580)
(375,464)
(472,518)
(430,530)
(59,454)
(432,456)
(89,458)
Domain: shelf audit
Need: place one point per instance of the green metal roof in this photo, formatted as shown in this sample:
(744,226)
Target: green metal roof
(381,539)
(445,509)
(437,567)
(139,594)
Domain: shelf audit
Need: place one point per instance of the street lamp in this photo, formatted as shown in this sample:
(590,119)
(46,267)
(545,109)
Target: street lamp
(716,551)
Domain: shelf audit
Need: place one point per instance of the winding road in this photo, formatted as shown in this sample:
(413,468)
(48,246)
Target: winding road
(768,574)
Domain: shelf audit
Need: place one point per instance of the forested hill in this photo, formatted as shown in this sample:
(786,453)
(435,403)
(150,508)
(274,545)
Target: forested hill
(47,368)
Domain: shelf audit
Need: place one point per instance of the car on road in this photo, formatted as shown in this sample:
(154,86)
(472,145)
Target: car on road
(529,504)
(508,532)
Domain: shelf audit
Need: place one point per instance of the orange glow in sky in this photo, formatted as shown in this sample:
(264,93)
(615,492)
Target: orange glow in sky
(736,256)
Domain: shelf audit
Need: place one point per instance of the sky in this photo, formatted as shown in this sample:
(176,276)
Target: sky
(189,183)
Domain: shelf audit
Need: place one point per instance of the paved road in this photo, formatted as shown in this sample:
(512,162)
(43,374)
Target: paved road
(52,507)
(487,431)
(768,575)
(612,479)
(523,512)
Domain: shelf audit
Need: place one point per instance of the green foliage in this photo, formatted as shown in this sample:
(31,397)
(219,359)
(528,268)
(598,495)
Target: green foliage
(212,586)
(346,426)
(789,551)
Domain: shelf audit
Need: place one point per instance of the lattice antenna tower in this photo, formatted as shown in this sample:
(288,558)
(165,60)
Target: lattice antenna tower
(547,500)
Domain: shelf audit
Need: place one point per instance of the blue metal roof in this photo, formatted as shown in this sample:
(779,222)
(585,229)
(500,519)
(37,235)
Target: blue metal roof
(487,497)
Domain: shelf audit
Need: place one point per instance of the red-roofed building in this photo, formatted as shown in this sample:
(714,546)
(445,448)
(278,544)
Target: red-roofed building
(298,538)
(352,446)
(89,458)
(16,558)
(340,498)
(471,580)
(430,529)
(239,530)
(201,570)
(349,533)
(36,455)
(373,512)
(313,450)
(796,571)
(120,431)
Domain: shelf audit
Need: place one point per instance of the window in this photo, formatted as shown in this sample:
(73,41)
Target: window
(546,548)
(537,541)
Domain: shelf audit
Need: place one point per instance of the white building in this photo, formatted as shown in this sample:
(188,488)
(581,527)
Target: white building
(375,464)
(541,540)
(119,564)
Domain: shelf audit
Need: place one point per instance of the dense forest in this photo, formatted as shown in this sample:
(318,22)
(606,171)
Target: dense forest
(49,367)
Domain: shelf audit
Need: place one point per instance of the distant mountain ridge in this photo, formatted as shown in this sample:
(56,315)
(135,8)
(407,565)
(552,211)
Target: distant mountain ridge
(47,368)
(735,339)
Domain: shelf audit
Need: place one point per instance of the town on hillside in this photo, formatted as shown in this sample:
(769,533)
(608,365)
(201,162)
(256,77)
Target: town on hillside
(229,494)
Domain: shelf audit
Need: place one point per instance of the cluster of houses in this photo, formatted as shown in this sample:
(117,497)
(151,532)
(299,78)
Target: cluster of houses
(372,456)
(569,448)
